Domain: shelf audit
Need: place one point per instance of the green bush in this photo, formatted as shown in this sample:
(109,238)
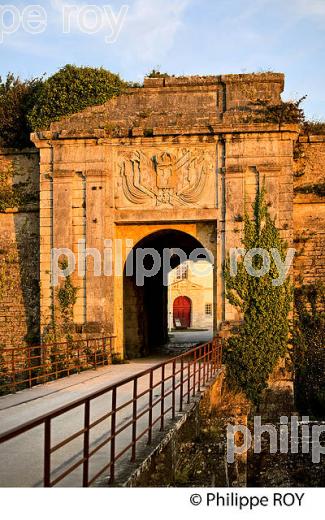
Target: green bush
(71,90)
(286,112)
(314,127)
(17,98)
(253,352)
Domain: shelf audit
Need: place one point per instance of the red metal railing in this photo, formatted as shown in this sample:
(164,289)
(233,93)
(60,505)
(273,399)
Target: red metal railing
(133,409)
(25,367)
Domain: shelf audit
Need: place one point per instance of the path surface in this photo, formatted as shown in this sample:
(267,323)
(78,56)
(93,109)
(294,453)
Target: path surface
(21,459)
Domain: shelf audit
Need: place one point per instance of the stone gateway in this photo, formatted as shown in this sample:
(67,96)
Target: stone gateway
(172,164)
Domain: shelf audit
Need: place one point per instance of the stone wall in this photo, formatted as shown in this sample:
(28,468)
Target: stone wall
(181,154)
(177,154)
(19,253)
(309,209)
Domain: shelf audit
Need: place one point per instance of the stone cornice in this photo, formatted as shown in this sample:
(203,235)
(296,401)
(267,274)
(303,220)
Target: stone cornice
(226,131)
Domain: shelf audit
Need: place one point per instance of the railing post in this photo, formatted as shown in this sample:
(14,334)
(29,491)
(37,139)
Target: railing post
(216,352)
(104,351)
(56,355)
(174,390)
(95,356)
(134,419)
(88,355)
(181,385)
(150,407)
(47,453)
(211,359)
(188,381)
(29,368)
(162,402)
(85,475)
(113,430)
(194,373)
(111,346)
(199,374)
(13,369)
(68,358)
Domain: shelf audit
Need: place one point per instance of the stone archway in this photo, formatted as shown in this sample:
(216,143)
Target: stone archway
(145,312)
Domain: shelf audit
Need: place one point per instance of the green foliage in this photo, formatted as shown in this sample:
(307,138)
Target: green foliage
(17,98)
(316,189)
(252,353)
(309,349)
(286,112)
(314,127)
(71,90)
(67,297)
(148,132)
(13,195)
(155,73)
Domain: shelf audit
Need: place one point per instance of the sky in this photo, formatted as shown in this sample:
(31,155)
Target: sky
(181,37)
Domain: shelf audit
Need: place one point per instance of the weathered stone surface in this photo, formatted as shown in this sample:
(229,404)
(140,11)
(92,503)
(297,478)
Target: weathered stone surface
(19,254)
(309,209)
(178,156)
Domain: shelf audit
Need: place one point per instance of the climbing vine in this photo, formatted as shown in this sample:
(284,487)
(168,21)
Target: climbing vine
(316,189)
(253,352)
(13,195)
(309,349)
(67,297)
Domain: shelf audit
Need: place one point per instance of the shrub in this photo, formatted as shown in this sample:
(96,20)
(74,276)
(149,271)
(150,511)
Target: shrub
(286,112)
(17,98)
(71,90)
(314,127)
(252,353)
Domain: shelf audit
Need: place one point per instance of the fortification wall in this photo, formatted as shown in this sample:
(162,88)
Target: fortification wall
(19,247)
(309,209)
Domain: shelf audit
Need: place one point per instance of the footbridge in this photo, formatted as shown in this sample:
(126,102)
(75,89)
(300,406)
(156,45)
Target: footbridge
(84,430)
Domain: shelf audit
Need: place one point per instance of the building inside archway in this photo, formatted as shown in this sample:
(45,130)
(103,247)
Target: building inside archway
(190,297)
(147,314)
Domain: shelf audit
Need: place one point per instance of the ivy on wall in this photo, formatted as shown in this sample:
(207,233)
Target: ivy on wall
(13,195)
(253,352)
(316,189)
(309,349)
(67,297)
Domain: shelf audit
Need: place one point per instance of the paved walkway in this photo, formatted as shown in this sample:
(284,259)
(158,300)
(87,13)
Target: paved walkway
(21,459)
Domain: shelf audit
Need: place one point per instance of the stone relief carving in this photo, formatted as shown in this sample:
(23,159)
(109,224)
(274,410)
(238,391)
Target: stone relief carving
(164,178)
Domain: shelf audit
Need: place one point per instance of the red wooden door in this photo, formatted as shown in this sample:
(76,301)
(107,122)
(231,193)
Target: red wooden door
(182,312)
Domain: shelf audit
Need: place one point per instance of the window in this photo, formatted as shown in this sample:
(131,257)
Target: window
(208,309)
(181,272)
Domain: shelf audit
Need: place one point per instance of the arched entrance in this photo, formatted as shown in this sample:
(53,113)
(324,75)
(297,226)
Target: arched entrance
(182,308)
(145,305)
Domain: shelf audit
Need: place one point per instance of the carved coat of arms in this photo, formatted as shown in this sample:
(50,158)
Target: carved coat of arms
(164,178)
